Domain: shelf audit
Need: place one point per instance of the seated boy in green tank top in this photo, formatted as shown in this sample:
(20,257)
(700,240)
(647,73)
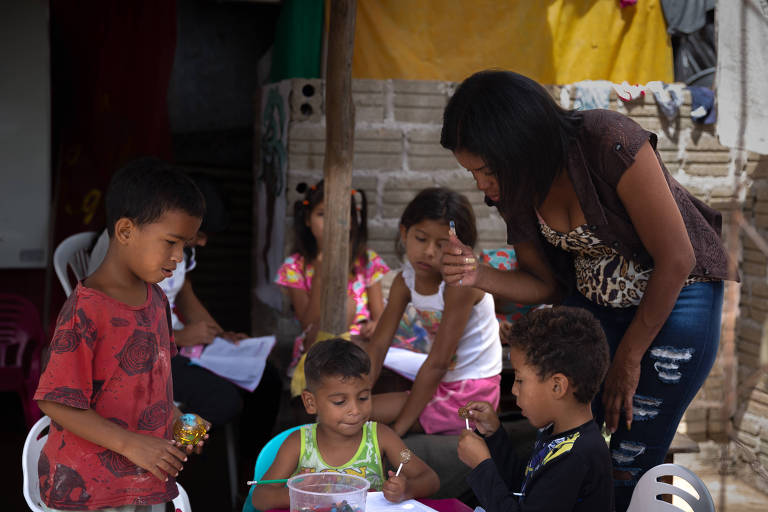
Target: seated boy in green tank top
(343,440)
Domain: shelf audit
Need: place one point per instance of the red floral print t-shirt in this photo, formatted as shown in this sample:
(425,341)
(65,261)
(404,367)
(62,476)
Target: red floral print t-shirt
(115,359)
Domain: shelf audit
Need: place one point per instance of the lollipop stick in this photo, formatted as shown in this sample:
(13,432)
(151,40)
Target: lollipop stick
(467,420)
(452,228)
(398,469)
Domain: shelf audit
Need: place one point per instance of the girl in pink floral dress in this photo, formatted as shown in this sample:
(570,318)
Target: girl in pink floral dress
(301,274)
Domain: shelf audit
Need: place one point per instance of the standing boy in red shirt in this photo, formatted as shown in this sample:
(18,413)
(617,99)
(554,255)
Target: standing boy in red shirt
(106,383)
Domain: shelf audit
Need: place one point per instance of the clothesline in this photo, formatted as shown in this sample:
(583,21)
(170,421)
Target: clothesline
(589,94)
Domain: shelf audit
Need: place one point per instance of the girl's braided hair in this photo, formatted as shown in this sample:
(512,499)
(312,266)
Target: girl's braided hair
(304,241)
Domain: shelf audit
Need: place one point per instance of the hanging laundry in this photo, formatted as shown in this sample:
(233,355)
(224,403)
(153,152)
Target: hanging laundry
(742,74)
(592,94)
(565,97)
(702,105)
(627,92)
(669,97)
(686,16)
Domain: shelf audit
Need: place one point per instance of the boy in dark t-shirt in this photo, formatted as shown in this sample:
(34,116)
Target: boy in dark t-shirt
(106,383)
(560,357)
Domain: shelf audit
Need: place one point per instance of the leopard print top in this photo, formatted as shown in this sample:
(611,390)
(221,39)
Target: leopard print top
(602,274)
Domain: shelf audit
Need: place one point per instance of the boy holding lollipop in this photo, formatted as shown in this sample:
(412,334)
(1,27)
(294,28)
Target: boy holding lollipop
(560,357)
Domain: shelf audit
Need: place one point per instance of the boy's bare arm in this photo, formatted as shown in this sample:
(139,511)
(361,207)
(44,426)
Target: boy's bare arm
(158,456)
(268,496)
(200,327)
(416,480)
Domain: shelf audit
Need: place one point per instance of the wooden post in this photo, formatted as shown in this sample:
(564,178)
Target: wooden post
(337,167)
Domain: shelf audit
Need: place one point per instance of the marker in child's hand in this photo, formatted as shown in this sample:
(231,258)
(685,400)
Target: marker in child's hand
(452,228)
(278,481)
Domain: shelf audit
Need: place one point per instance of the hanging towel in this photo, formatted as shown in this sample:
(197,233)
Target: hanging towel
(668,97)
(565,97)
(702,105)
(742,74)
(592,94)
(686,16)
(627,92)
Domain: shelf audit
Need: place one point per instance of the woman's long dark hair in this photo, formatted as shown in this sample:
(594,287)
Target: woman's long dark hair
(515,126)
(304,241)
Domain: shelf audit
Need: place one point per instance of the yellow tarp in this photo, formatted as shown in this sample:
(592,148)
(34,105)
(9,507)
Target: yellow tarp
(552,41)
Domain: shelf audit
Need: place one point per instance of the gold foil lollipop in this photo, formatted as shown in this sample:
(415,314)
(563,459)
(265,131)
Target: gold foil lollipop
(405,458)
(189,429)
(464,413)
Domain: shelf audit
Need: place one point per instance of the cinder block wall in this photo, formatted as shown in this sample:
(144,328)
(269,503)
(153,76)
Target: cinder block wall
(397,153)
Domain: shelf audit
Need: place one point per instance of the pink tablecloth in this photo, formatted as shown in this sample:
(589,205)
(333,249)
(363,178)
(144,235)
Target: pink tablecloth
(448,505)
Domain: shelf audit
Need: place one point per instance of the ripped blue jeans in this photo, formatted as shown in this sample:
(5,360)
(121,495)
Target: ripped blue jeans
(673,369)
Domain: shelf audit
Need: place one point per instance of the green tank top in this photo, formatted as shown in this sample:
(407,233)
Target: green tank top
(365,463)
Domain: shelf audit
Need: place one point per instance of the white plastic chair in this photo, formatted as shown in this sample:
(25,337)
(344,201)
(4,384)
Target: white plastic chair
(648,488)
(72,252)
(29,456)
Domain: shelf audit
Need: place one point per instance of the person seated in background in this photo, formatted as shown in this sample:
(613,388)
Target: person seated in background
(560,357)
(343,440)
(211,396)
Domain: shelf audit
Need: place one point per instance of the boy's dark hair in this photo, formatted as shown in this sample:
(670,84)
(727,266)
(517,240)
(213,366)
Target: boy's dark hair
(145,189)
(564,340)
(304,241)
(515,126)
(443,205)
(334,358)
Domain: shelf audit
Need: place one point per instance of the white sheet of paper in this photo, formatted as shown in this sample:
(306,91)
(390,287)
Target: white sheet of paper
(242,363)
(376,502)
(405,362)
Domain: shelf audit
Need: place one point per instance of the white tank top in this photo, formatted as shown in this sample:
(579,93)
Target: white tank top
(478,354)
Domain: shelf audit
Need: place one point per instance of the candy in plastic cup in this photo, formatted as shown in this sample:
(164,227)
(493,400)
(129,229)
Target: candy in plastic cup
(321,492)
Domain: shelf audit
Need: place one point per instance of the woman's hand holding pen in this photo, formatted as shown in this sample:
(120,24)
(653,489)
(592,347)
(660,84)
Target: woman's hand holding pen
(458,263)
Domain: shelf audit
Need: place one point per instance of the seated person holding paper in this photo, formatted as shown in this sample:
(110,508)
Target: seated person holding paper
(343,440)
(209,395)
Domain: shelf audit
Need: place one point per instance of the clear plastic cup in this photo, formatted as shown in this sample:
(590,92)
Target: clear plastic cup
(322,492)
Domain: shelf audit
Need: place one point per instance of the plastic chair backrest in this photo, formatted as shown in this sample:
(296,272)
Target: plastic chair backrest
(264,461)
(644,497)
(21,342)
(30,455)
(73,252)
(181,502)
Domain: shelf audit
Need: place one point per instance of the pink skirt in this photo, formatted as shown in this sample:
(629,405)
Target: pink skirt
(440,416)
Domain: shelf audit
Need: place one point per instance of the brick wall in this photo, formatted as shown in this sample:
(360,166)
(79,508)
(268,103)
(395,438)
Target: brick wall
(397,153)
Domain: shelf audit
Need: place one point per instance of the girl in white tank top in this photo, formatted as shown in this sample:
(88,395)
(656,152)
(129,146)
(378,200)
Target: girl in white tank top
(464,359)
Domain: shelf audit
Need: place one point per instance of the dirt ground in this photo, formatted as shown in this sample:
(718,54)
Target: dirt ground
(738,496)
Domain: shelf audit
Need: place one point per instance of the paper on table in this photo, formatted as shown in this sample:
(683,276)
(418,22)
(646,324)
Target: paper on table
(405,362)
(242,363)
(376,502)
